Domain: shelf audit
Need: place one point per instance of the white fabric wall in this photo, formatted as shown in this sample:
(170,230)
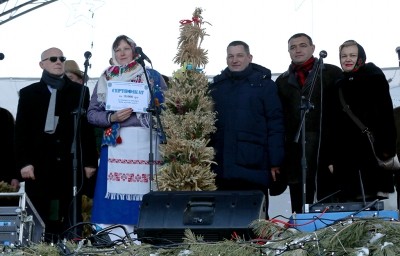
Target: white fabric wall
(9,88)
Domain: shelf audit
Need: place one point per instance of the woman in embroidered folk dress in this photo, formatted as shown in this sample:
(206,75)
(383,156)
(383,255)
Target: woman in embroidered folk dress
(123,176)
(366,91)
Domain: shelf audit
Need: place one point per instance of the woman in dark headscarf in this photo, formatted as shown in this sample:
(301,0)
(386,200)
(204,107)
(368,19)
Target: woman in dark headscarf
(366,91)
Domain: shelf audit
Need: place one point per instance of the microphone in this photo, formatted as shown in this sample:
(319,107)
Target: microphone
(1,56)
(88,55)
(323,54)
(139,50)
(397,50)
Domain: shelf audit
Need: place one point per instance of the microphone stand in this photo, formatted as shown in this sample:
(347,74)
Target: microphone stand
(305,107)
(78,113)
(153,108)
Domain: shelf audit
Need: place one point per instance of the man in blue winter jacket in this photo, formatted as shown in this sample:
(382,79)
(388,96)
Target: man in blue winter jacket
(249,141)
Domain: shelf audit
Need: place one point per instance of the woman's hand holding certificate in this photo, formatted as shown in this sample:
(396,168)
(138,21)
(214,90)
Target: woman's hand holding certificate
(121,115)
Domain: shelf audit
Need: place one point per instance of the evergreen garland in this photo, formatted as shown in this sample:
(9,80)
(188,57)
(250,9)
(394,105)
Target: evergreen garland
(353,236)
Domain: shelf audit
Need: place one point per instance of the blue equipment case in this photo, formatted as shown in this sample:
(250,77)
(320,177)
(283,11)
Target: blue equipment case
(309,222)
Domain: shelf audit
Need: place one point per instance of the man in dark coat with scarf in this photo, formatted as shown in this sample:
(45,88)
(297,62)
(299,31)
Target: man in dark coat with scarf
(295,87)
(44,135)
(250,132)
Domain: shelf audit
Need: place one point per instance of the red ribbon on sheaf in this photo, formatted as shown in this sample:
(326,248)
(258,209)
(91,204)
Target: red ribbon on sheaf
(194,19)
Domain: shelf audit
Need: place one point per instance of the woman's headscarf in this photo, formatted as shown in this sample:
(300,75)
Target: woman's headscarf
(362,57)
(115,45)
(129,72)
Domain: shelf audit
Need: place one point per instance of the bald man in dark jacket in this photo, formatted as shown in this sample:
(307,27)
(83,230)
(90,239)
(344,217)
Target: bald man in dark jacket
(45,139)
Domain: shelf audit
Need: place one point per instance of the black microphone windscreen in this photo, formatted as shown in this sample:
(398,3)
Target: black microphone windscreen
(88,55)
(323,54)
(139,51)
(1,56)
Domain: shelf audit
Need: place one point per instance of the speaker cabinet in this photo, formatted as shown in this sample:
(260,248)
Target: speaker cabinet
(215,215)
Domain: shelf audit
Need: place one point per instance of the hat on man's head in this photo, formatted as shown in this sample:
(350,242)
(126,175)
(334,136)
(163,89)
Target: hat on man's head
(72,67)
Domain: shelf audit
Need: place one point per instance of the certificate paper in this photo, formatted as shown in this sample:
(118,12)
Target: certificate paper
(132,95)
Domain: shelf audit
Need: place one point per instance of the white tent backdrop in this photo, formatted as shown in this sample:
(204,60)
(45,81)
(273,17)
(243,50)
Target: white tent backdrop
(9,88)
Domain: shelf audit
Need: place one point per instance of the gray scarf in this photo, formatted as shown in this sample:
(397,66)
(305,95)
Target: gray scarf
(56,83)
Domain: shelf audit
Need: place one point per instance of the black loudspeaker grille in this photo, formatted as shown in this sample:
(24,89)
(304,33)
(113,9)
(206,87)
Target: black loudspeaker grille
(214,215)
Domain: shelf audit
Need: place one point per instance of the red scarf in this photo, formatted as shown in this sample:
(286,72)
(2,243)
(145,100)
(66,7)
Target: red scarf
(301,71)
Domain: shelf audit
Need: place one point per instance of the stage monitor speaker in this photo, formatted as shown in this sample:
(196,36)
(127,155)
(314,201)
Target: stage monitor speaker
(215,215)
